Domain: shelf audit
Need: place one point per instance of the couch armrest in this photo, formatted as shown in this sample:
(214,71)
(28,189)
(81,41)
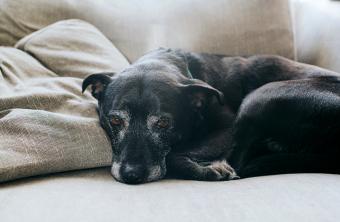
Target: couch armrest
(317,32)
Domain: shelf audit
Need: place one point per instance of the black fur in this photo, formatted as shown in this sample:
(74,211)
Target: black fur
(284,103)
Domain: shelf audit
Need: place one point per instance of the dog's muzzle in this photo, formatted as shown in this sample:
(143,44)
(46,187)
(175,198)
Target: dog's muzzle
(135,174)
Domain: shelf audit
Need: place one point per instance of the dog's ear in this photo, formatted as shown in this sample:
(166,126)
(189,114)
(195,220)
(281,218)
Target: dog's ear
(198,92)
(99,81)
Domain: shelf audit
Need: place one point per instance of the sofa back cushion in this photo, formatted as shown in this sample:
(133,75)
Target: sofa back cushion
(228,27)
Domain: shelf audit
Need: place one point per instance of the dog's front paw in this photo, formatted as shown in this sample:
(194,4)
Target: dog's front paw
(182,166)
(218,170)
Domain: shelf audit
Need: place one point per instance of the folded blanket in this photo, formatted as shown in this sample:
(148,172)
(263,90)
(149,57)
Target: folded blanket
(46,124)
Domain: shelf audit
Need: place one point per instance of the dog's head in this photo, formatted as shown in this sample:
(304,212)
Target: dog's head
(147,109)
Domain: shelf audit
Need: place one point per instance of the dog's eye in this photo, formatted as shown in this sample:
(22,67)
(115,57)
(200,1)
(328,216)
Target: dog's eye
(117,121)
(163,123)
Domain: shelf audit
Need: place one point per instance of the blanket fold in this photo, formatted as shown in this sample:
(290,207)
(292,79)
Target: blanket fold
(46,124)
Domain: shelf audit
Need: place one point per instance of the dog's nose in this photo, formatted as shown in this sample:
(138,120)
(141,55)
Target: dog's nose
(132,174)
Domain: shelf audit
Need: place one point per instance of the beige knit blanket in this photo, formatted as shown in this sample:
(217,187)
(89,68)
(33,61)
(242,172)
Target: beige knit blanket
(46,124)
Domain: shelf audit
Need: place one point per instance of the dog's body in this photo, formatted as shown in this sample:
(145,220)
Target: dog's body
(165,112)
(289,127)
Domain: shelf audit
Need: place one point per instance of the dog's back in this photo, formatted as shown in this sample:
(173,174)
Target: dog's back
(296,123)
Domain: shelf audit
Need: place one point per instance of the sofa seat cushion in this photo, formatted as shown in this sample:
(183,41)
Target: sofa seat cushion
(93,195)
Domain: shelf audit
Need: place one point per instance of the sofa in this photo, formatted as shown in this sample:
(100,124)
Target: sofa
(65,178)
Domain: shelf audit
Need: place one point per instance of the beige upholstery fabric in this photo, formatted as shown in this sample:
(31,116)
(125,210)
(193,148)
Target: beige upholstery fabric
(317,28)
(231,27)
(46,124)
(94,196)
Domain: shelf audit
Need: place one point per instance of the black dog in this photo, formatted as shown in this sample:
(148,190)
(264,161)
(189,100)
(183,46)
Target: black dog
(181,112)
(289,127)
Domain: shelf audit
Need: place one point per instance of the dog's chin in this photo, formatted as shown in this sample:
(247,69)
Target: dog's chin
(115,172)
(156,172)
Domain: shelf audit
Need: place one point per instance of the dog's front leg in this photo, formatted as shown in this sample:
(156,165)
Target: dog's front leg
(203,160)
